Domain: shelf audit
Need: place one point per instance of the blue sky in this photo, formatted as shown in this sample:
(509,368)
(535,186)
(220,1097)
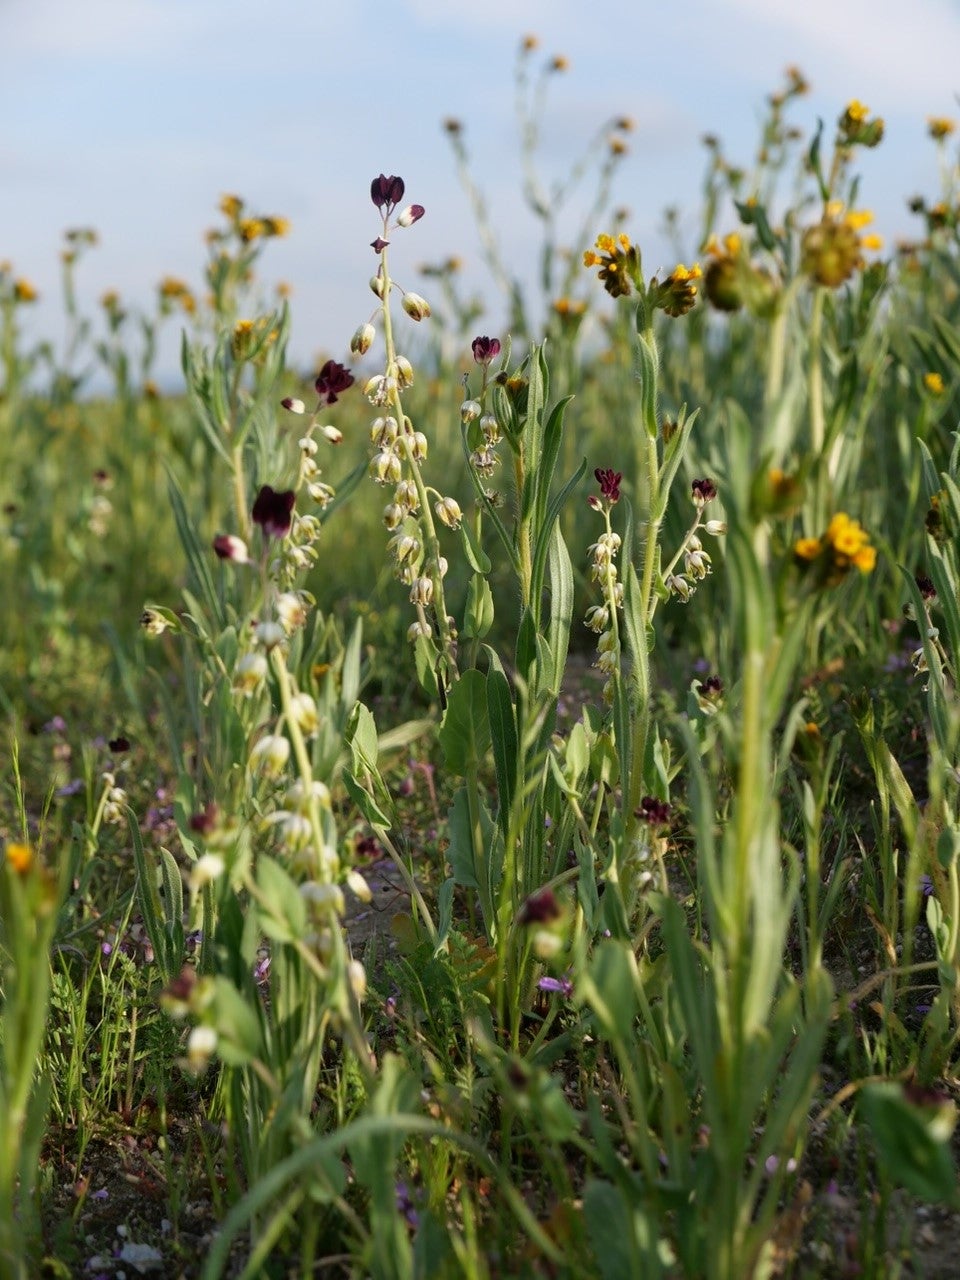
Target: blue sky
(135,116)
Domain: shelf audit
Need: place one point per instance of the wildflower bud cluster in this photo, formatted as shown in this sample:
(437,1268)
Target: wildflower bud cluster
(602,618)
(481,425)
(697,563)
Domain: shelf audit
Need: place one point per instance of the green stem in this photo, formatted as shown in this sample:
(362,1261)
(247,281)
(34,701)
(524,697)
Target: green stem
(815,392)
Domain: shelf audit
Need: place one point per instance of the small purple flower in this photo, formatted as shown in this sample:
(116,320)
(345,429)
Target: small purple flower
(379,244)
(229,547)
(332,380)
(485,349)
(56,725)
(563,986)
(656,812)
(386,193)
(703,491)
(405,1205)
(926,886)
(273,511)
(71,788)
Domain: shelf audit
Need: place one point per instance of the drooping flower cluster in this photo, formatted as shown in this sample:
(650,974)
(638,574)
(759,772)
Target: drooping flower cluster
(844,546)
(696,562)
(602,618)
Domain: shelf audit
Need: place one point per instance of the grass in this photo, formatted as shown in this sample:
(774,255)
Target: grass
(363,912)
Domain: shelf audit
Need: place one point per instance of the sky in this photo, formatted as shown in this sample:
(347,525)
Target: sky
(136,116)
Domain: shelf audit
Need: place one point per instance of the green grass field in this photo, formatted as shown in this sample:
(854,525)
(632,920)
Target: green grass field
(491,808)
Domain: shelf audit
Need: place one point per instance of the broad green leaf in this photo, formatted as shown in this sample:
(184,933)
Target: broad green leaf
(465,733)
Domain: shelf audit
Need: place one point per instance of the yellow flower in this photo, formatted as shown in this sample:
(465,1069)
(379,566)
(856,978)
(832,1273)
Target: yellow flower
(933,383)
(251,229)
(19,858)
(23,291)
(866,559)
(560,63)
(807,548)
(276,226)
(940,127)
(846,535)
(230,207)
(619,263)
(857,111)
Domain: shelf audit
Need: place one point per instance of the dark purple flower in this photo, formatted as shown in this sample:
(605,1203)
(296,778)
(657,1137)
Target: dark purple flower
(609,482)
(229,547)
(119,745)
(274,511)
(703,492)
(711,689)
(656,812)
(379,244)
(205,820)
(332,380)
(386,193)
(925,586)
(540,908)
(485,349)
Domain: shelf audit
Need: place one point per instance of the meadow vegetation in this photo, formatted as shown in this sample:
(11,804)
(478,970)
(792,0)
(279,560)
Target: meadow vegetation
(490,806)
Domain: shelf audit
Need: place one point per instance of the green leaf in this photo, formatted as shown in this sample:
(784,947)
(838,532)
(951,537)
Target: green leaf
(365,802)
(912,1141)
(465,732)
(503,734)
(283,913)
(479,610)
(477,558)
(610,1228)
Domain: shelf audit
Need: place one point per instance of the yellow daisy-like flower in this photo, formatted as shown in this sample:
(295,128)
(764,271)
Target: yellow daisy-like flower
(846,535)
(856,111)
(19,858)
(933,383)
(940,127)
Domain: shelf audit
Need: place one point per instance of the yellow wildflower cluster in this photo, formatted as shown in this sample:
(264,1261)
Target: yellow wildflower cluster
(856,127)
(173,290)
(24,291)
(19,858)
(844,546)
(934,383)
(678,293)
(249,228)
(833,249)
(619,263)
(940,127)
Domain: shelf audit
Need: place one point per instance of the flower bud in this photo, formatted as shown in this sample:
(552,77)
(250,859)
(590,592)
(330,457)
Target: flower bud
(357,977)
(206,869)
(269,634)
(418,445)
(470,410)
(411,214)
(291,612)
(406,496)
(249,673)
(403,372)
(358,886)
(417,308)
(383,432)
(293,406)
(422,591)
(270,755)
(448,512)
(392,515)
(308,446)
(418,629)
(229,547)
(385,467)
(305,713)
(201,1045)
(377,285)
(331,433)
(363,339)
(715,528)
(323,898)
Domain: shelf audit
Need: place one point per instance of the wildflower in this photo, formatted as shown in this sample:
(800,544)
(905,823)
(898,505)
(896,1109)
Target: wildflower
(291,611)
(293,406)
(844,545)
(231,206)
(653,811)
(678,293)
(709,694)
(205,870)
(539,908)
(332,380)
(609,482)
(153,622)
(278,227)
(19,858)
(386,193)
(363,339)
(273,511)
(832,249)
(695,560)
(925,586)
(270,755)
(24,291)
(323,898)
(619,263)
(470,410)
(940,127)
(680,587)
(305,714)
(357,977)
(416,307)
(485,349)
(421,592)
(249,673)
(269,634)
(448,512)
(229,547)
(411,214)
(560,986)
(559,63)
(702,492)
(201,1045)
(856,127)
(358,886)
(933,383)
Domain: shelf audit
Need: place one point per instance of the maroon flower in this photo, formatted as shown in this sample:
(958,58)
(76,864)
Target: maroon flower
(333,379)
(703,491)
(229,547)
(609,482)
(925,586)
(274,511)
(711,689)
(656,812)
(485,349)
(379,244)
(386,193)
(540,908)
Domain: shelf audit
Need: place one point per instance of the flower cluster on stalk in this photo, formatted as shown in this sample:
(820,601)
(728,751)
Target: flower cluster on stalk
(843,546)
(697,563)
(602,618)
